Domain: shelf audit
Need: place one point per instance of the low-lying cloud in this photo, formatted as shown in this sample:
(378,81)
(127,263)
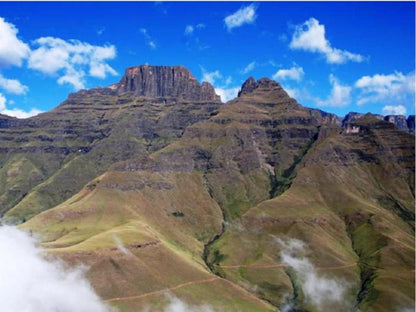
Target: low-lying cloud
(30,283)
(318,290)
(177,305)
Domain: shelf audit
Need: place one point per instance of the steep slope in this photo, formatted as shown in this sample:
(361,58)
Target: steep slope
(352,203)
(46,159)
(172,196)
(142,227)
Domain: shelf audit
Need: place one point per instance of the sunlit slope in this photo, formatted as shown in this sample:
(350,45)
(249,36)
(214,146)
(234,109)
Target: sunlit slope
(142,232)
(351,202)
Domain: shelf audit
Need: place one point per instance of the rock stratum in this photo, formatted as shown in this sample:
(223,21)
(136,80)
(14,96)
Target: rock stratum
(210,200)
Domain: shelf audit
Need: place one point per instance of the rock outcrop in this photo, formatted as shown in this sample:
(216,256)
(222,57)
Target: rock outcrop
(411,123)
(165,81)
(263,84)
(399,120)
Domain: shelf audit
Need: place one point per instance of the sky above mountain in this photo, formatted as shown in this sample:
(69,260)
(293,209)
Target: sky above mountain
(336,56)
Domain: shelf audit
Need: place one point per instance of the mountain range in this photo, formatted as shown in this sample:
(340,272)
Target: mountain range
(258,204)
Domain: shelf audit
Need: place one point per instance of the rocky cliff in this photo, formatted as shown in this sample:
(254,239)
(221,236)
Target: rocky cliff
(165,81)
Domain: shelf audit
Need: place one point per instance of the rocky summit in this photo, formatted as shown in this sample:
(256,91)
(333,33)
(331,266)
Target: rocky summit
(164,81)
(258,204)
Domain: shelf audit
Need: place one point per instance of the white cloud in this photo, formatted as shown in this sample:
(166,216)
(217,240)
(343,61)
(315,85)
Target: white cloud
(100,31)
(192,38)
(15,112)
(294,73)
(177,305)
(340,94)
(249,68)
(71,60)
(292,92)
(12,86)
(318,290)
(394,110)
(395,87)
(245,15)
(221,85)
(211,77)
(149,40)
(12,49)
(189,29)
(30,283)
(310,36)
(227,94)
(152,44)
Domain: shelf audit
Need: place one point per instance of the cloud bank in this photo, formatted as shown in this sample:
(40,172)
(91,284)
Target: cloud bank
(30,283)
(393,87)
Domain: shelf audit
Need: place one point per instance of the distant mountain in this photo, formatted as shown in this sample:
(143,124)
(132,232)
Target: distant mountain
(156,184)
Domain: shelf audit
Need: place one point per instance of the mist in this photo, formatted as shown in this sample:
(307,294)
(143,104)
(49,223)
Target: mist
(177,305)
(318,290)
(31,283)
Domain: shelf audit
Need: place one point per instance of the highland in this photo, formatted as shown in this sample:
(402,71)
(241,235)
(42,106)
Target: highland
(158,187)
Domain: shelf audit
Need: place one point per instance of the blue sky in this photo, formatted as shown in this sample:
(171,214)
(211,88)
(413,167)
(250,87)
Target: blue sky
(336,56)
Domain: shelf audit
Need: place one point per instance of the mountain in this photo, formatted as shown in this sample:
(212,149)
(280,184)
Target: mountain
(258,204)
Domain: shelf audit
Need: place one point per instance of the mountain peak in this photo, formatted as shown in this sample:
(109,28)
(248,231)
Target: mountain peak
(250,85)
(165,81)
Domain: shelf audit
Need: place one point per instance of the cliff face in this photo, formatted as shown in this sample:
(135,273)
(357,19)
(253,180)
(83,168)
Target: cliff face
(165,81)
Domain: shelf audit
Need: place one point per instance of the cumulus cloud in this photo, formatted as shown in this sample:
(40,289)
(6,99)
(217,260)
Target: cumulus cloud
(319,291)
(249,68)
(30,283)
(71,60)
(221,85)
(15,112)
(292,92)
(149,40)
(340,94)
(395,87)
(211,77)
(245,15)
(227,94)
(310,36)
(12,49)
(295,73)
(394,110)
(12,85)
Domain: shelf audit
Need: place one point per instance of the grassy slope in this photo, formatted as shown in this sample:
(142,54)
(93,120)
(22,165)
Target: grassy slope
(334,206)
(164,250)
